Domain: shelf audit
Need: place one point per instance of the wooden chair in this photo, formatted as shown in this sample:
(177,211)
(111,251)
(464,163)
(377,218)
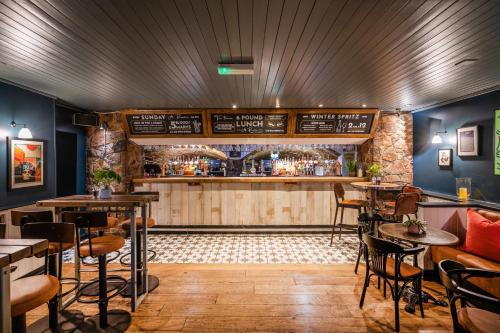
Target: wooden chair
(100,247)
(406,205)
(405,189)
(27,215)
(379,262)
(344,203)
(367,223)
(477,312)
(60,236)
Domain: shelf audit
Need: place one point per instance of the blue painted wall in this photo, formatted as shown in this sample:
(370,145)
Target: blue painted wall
(43,117)
(37,112)
(474,111)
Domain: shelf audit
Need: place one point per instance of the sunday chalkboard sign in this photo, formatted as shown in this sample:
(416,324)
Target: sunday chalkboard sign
(334,123)
(165,124)
(249,123)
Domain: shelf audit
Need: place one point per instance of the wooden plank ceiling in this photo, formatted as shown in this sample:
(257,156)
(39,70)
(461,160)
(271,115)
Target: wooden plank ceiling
(106,55)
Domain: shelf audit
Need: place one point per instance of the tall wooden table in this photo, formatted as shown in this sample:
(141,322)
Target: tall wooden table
(432,236)
(138,279)
(11,251)
(373,191)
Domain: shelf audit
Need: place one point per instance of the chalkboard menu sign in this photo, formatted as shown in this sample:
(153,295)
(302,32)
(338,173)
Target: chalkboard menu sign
(249,123)
(165,124)
(334,123)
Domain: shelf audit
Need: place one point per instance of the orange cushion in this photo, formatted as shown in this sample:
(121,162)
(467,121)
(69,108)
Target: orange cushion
(30,292)
(483,236)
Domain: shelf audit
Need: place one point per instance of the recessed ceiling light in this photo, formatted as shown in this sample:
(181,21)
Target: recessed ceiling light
(320,105)
(234,106)
(277,105)
(364,105)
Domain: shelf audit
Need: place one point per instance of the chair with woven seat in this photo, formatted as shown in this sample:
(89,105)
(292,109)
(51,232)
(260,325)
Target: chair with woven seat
(406,205)
(343,203)
(378,258)
(100,247)
(60,237)
(153,281)
(477,312)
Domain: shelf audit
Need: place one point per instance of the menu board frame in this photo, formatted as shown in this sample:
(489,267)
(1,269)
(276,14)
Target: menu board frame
(126,113)
(210,112)
(373,128)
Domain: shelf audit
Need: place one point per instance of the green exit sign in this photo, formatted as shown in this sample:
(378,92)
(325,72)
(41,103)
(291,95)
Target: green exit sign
(224,70)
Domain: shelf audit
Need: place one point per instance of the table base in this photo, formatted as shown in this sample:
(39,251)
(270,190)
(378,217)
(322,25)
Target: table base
(118,322)
(411,296)
(153,283)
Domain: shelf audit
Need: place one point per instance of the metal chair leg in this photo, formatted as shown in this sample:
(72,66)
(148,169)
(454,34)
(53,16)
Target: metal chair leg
(341,221)
(334,223)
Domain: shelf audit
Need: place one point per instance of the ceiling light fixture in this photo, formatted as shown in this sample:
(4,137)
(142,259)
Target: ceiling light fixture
(437,139)
(320,105)
(24,133)
(235,69)
(234,106)
(364,105)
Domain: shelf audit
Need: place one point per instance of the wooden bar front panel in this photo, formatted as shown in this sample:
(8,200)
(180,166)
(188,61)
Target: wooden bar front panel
(247,203)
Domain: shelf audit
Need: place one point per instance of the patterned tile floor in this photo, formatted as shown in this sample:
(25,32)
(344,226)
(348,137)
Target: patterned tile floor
(249,248)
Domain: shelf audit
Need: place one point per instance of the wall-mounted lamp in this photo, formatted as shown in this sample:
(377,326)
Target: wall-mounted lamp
(24,133)
(436,139)
(103,126)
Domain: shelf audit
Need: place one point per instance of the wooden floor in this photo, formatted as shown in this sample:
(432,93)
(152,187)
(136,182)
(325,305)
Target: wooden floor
(268,298)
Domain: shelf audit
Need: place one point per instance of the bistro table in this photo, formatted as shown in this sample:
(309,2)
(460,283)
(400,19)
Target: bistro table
(11,251)
(138,277)
(432,236)
(373,191)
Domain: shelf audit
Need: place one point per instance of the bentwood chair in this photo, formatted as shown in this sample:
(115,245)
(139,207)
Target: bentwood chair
(99,247)
(477,312)
(367,223)
(406,205)
(406,189)
(343,203)
(378,258)
(60,237)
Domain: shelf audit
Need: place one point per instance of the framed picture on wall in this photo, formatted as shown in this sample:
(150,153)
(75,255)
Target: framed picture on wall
(467,141)
(445,158)
(26,158)
(496,144)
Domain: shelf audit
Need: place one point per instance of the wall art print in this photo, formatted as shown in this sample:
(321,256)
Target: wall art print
(467,141)
(444,158)
(496,144)
(26,159)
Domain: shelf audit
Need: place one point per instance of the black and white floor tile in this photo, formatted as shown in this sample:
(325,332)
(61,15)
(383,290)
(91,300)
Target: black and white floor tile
(249,249)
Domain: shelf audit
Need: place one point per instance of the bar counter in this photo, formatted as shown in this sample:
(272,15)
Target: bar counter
(248,200)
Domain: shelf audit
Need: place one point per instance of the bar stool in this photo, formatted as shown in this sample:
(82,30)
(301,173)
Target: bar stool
(29,293)
(153,281)
(21,216)
(60,237)
(100,247)
(343,203)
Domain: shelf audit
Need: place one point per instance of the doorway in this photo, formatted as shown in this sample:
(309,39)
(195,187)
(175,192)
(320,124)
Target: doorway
(66,155)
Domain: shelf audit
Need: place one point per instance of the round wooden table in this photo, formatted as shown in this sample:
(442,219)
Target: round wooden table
(373,191)
(432,236)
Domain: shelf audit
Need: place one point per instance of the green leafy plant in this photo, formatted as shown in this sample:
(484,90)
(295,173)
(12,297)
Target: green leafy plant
(104,178)
(375,170)
(415,223)
(351,165)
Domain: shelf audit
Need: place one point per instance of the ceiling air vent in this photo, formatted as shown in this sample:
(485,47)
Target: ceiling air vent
(85,119)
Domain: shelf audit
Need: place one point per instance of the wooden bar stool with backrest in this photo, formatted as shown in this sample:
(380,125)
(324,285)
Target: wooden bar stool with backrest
(100,247)
(477,312)
(406,205)
(60,236)
(28,293)
(378,258)
(153,281)
(344,203)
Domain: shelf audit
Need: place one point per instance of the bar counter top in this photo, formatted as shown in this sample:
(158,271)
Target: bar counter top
(270,179)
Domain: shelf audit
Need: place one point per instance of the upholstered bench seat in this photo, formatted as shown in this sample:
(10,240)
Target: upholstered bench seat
(478,320)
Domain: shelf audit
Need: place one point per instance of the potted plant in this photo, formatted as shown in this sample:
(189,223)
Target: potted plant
(375,171)
(104,178)
(351,167)
(414,226)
